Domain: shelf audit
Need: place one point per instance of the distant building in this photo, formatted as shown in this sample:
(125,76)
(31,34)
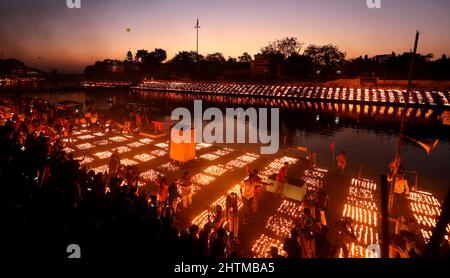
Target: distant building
(115,67)
(260,65)
(382,58)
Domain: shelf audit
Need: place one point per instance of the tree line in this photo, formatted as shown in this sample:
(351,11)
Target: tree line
(286,60)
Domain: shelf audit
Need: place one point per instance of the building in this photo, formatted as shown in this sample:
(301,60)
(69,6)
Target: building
(115,67)
(260,65)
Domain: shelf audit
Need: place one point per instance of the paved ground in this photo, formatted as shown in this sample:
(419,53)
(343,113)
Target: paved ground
(335,184)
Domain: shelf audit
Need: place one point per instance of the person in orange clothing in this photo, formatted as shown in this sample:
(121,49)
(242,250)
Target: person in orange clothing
(281,180)
(341,161)
(163,192)
(138,121)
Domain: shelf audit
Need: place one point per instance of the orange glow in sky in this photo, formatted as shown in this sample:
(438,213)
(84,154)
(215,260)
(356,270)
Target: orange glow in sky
(69,39)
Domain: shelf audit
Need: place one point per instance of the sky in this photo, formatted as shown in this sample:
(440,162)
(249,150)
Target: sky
(47,34)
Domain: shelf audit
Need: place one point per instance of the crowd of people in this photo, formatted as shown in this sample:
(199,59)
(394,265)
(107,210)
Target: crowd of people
(49,202)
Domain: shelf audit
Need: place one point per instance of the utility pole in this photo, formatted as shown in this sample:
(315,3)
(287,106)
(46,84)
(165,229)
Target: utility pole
(197,26)
(403,124)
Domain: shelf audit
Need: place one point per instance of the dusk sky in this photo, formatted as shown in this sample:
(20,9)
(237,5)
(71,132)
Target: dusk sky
(69,39)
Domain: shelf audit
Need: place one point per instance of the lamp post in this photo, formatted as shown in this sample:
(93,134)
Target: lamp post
(197,26)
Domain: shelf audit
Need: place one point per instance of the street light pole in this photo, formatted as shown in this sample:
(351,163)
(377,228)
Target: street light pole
(197,26)
(403,124)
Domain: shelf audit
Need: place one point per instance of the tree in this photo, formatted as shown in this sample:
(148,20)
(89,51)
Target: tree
(231,60)
(153,60)
(159,55)
(129,56)
(141,54)
(327,58)
(216,58)
(245,58)
(286,46)
(187,57)
(298,66)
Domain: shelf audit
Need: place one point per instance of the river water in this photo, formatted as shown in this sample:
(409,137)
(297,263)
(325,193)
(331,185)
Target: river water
(364,132)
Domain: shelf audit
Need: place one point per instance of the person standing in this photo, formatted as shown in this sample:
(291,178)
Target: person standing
(163,193)
(114,164)
(247,194)
(291,245)
(281,180)
(233,213)
(401,189)
(341,161)
(186,189)
(258,188)
(173,196)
